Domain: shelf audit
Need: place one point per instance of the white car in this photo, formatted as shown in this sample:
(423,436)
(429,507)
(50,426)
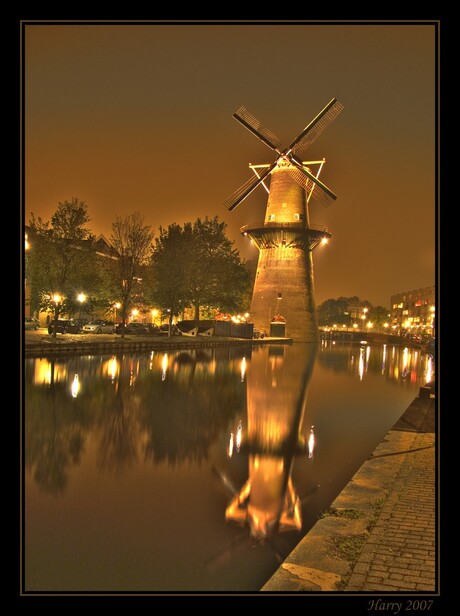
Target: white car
(99,327)
(31,323)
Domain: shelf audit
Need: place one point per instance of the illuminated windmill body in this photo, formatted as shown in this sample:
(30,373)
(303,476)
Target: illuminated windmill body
(286,238)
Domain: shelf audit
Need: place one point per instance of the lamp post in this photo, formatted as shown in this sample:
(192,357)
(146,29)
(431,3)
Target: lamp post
(57,299)
(364,317)
(81,297)
(116,307)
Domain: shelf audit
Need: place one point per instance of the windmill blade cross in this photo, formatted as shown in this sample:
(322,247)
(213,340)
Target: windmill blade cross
(257,128)
(246,189)
(321,192)
(317,126)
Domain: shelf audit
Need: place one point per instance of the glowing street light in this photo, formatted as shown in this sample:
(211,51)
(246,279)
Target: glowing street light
(57,299)
(369,324)
(81,297)
(385,325)
(116,307)
(154,315)
(325,240)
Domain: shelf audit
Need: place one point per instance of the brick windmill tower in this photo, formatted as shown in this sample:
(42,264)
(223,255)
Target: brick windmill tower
(286,239)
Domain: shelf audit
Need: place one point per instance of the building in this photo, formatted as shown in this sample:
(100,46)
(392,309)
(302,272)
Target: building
(414,310)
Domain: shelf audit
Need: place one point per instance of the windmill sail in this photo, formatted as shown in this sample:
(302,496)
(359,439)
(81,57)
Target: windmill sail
(321,197)
(246,189)
(316,126)
(313,186)
(257,128)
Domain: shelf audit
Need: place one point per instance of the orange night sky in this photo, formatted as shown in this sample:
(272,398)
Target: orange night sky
(139,117)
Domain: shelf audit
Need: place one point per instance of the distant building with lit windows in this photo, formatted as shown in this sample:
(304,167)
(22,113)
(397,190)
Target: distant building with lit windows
(414,310)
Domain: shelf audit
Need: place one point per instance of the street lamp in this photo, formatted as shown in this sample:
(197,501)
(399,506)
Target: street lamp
(81,297)
(116,307)
(57,299)
(369,324)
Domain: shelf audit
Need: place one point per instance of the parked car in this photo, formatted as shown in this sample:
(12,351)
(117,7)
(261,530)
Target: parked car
(99,327)
(133,328)
(164,329)
(64,326)
(31,323)
(81,322)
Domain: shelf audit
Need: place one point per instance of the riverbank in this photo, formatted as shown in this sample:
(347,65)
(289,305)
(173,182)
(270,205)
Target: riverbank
(379,533)
(39,344)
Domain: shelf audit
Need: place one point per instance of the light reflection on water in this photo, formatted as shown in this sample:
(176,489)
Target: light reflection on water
(159,471)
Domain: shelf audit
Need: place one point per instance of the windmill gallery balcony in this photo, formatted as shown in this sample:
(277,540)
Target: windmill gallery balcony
(289,234)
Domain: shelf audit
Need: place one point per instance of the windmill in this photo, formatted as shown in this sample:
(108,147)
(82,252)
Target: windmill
(286,238)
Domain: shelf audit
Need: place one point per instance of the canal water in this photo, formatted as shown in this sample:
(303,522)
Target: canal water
(196,470)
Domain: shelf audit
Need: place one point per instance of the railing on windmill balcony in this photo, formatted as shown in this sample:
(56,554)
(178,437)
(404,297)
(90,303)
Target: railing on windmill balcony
(290,234)
(282,225)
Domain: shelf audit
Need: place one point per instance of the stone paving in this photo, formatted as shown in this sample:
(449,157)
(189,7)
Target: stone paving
(400,552)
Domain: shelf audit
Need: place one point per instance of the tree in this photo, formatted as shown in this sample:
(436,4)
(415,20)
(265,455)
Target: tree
(196,265)
(334,311)
(218,277)
(132,240)
(170,269)
(349,310)
(378,315)
(61,262)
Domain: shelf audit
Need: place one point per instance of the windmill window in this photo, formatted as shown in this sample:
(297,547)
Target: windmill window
(271,217)
(283,242)
(298,216)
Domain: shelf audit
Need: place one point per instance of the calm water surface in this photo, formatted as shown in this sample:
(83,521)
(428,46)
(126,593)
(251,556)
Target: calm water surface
(196,470)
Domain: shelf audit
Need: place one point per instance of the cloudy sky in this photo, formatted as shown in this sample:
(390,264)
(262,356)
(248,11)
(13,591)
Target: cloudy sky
(139,117)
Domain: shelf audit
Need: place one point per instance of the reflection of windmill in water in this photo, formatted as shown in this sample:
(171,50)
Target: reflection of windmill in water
(286,238)
(276,402)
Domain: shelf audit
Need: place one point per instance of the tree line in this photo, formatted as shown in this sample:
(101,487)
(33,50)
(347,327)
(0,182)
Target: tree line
(190,266)
(349,311)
